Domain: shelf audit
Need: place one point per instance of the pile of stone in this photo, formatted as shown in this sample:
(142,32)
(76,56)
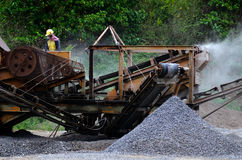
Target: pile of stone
(25,143)
(175,129)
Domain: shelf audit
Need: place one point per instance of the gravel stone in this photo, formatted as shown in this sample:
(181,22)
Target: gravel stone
(24,143)
(175,129)
(111,156)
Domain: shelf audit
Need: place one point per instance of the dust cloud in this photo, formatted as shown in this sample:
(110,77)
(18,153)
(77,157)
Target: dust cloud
(225,63)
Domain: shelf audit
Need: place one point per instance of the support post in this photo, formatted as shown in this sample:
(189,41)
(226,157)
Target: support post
(66,90)
(130,59)
(114,38)
(191,77)
(82,83)
(91,87)
(100,36)
(121,55)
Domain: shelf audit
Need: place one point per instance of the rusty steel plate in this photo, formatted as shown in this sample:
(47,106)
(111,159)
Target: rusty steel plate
(22,62)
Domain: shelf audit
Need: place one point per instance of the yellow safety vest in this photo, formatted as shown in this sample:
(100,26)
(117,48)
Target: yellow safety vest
(51,45)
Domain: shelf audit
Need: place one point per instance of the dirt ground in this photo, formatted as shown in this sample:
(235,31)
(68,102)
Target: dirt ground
(223,118)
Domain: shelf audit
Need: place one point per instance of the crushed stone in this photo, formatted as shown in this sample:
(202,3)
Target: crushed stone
(24,143)
(175,129)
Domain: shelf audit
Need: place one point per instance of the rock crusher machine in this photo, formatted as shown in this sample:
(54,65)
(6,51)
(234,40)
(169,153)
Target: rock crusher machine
(52,86)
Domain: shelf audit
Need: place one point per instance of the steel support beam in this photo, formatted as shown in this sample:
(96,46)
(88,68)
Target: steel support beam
(191,77)
(66,80)
(146,49)
(227,102)
(91,87)
(130,59)
(120,83)
(217,95)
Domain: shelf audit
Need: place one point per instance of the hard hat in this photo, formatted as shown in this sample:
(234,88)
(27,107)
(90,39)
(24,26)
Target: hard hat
(49,32)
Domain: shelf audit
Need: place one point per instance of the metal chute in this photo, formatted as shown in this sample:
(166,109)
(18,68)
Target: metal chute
(3,45)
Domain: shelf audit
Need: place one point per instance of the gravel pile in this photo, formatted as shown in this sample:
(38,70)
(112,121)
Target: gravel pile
(234,134)
(25,143)
(175,129)
(11,146)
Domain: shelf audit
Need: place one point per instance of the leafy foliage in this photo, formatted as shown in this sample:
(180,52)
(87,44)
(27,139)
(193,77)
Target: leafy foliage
(173,22)
(25,22)
(139,22)
(222,16)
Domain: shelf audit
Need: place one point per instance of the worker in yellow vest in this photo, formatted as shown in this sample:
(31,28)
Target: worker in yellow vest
(52,43)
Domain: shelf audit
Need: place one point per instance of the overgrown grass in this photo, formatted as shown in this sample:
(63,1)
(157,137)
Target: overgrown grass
(36,123)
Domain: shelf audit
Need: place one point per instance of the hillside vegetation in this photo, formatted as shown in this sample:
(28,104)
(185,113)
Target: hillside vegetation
(138,22)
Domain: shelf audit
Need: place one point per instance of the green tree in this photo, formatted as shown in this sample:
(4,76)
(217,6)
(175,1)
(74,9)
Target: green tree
(25,22)
(222,16)
(154,22)
(172,22)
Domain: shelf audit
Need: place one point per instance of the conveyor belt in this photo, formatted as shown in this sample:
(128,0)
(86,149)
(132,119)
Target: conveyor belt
(220,91)
(39,107)
(140,104)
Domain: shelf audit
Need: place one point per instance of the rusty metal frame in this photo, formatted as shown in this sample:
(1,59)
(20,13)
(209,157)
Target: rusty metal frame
(144,49)
(216,93)
(120,77)
(130,59)
(224,104)
(135,74)
(130,49)
(117,40)
(91,84)
(66,80)
(178,86)
(191,77)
